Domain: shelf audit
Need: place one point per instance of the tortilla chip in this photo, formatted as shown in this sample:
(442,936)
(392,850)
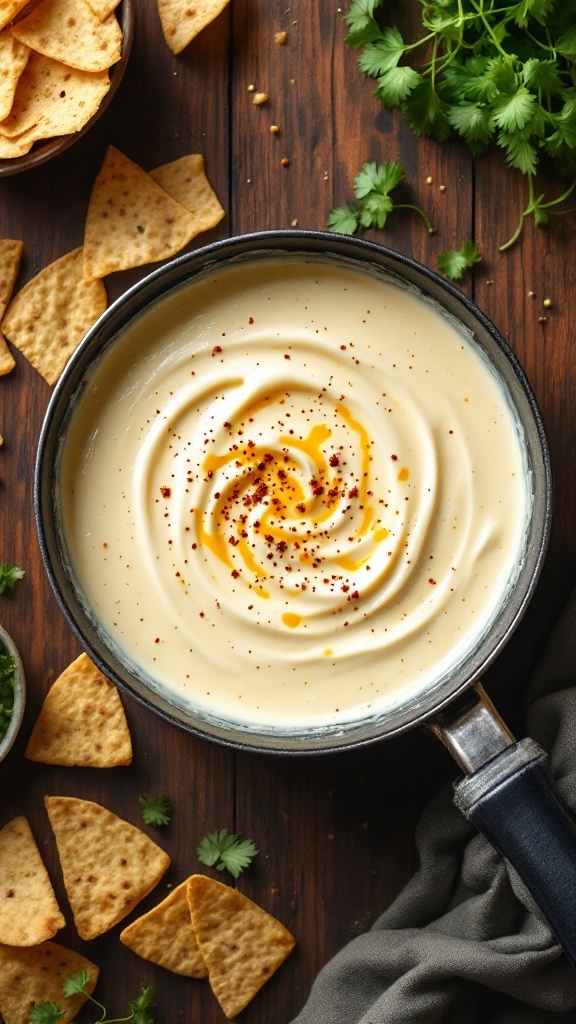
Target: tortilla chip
(13,60)
(51,99)
(82,721)
(102,8)
(7,361)
(9,9)
(10,257)
(68,31)
(29,913)
(165,936)
(240,943)
(108,864)
(131,220)
(34,975)
(181,20)
(51,314)
(185,180)
(10,148)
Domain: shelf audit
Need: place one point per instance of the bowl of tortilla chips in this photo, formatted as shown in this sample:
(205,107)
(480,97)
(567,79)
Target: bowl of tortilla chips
(11,700)
(62,62)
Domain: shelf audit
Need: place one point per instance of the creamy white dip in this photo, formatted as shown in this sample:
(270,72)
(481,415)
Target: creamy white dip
(293,492)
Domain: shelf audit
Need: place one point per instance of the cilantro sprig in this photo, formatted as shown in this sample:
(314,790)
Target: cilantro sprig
(453,262)
(226,852)
(491,73)
(372,187)
(49,1012)
(156,810)
(9,576)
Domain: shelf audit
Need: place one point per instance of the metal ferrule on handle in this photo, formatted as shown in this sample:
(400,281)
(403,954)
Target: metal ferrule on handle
(509,795)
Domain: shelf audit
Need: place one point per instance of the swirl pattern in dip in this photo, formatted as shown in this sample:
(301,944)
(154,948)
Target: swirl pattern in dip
(294,493)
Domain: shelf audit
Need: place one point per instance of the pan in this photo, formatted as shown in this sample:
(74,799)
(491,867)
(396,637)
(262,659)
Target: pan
(505,788)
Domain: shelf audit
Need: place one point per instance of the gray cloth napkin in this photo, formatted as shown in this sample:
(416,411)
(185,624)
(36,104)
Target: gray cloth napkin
(463,942)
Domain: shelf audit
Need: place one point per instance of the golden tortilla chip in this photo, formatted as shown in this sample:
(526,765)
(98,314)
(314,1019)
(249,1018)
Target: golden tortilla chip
(185,180)
(51,99)
(34,975)
(181,20)
(13,60)
(29,913)
(48,318)
(108,864)
(10,148)
(102,8)
(68,31)
(9,9)
(10,256)
(131,220)
(165,936)
(240,943)
(82,721)
(7,361)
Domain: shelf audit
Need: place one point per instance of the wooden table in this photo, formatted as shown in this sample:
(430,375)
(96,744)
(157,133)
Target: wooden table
(335,832)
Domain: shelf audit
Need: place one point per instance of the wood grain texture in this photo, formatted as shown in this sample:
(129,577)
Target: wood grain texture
(336,832)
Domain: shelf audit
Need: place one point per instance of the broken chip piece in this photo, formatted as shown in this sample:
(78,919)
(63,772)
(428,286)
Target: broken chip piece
(110,870)
(51,314)
(185,180)
(182,20)
(29,912)
(241,944)
(165,936)
(82,721)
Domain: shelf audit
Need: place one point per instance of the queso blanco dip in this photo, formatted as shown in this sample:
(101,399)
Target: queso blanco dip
(293,492)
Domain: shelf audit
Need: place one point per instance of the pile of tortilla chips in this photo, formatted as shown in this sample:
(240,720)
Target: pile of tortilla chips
(55,57)
(204,928)
(133,218)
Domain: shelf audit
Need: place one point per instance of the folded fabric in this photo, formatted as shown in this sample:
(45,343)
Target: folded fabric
(463,942)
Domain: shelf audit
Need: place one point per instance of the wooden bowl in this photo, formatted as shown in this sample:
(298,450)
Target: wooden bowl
(45,150)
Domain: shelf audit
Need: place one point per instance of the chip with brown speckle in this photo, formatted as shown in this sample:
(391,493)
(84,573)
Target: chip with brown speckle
(240,943)
(29,913)
(181,20)
(108,864)
(32,975)
(70,32)
(165,936)
(82,721)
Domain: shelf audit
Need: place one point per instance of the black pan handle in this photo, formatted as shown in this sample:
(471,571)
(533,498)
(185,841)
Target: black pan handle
(511,799)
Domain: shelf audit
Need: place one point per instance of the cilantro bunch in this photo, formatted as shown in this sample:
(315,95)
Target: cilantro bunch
(7,683)
(493,73)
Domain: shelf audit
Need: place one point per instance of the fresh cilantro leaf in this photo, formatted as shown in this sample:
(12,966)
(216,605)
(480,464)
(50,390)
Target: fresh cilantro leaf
(156,810)
(9,576)
(473,121)
(426,112)
(380,178)
(372,186)
(520,152)
(361,22)
(396,84)
(380,56)
(226,852)
(139,1007)
(343,219)
(454,262)
(75,984)
(47,1012)
(514,111)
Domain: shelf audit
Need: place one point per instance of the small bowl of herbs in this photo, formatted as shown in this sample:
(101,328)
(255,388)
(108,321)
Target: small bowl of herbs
(12,692)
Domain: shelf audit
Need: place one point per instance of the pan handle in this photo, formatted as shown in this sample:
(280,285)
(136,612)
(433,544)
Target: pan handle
(509,795)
